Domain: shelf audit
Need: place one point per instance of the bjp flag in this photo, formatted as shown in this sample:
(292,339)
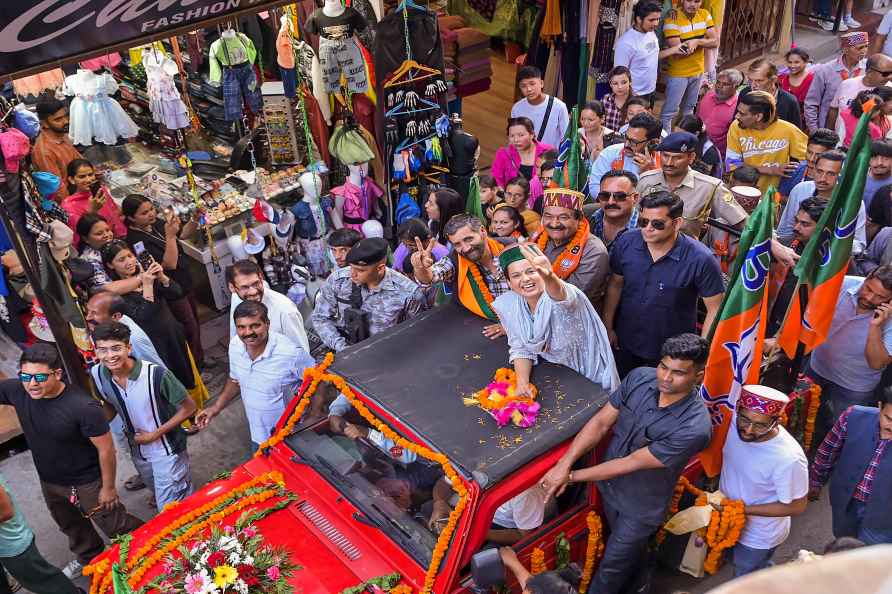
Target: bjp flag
(825,258)
(736,348)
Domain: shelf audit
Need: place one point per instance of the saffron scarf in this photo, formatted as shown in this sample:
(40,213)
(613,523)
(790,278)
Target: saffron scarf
(472,290)
(568,261)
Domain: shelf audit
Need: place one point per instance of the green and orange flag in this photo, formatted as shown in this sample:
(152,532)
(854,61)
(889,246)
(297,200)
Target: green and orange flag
(735,351)
(825,258)
(569,169)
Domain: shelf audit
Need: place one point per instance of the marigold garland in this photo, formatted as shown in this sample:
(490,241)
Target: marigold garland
(477,277)
(594,548)
(814,402)
(537,561)
(319,374)
(185,526)
(572,252)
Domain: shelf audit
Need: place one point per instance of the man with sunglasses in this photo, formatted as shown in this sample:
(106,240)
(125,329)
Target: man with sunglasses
(658,275)
(828,76)
(877,74)
(617,202)
(703,195)
(635,154)
(73,452)
(763,466)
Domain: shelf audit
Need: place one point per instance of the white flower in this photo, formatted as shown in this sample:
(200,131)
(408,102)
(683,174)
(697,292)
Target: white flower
(248,560)
(234,558)
(227,543)
(241,587)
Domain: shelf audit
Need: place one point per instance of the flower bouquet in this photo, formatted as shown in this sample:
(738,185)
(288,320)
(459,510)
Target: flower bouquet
(233,559)
(499,400)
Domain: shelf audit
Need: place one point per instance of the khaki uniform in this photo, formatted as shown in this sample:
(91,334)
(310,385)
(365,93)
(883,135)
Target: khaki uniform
(703,195)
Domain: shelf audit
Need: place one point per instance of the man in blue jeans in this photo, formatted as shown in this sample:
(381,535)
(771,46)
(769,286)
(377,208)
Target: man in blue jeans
(856,459)
(763,466)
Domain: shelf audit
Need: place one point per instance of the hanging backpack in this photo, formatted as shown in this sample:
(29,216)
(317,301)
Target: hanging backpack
(406,208)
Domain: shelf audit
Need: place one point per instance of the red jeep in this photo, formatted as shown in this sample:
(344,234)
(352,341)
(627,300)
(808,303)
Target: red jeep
(356,515)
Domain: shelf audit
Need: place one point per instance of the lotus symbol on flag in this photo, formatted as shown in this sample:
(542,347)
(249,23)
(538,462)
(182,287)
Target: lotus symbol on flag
(741,354)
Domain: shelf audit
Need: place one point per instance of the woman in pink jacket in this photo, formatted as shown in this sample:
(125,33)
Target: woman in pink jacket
(521,156)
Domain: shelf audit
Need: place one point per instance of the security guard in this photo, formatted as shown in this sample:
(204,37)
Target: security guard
(364,297)
(702,194)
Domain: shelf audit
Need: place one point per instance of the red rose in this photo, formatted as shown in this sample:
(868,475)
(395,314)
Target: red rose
(215,559)
(246,571)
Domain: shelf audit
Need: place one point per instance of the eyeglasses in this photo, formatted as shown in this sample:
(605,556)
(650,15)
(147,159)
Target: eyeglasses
(658,224)
(564,218)
(882,72)
(633,142)
(744,423)
(617,196)
(38,377)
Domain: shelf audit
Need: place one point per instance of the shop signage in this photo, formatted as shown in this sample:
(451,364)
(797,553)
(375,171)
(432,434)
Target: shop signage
(46,32)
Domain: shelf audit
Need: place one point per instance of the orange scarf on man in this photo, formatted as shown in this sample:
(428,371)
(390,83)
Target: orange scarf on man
(568,261)
(472,290)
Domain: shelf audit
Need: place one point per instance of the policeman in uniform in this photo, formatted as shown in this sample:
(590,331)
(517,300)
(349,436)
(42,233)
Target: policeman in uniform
(364,298)
(703,195)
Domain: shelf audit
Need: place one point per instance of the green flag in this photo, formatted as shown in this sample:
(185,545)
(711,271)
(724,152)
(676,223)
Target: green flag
(569,171)
(472,204)
(825,260)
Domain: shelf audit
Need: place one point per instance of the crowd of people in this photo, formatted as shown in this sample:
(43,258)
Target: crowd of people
(620,280)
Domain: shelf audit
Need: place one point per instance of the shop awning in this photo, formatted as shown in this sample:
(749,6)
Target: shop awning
(36,35)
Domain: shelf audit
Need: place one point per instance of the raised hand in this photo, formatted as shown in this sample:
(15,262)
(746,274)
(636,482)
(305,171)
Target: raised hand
(97,201)
(423,255)
(539,260)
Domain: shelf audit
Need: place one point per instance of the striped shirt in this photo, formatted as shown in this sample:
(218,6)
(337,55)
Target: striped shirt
(828,454)
(687,29)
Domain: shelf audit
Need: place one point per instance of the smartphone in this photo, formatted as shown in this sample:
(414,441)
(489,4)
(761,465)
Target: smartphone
(95,186)
(144,258)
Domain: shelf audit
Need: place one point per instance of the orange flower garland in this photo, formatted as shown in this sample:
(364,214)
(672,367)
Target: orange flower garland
(481,284)
(318,375)
(814,402)
(593,550)
(673,509)
(573,251)
(148,556)
(401,589)
(537,561)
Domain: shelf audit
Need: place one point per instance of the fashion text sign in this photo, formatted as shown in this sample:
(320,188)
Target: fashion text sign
(46,32)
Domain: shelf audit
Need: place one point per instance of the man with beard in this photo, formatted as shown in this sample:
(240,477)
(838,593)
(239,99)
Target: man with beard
(880,172)
(618,210)
(762,75)
(265,367)
(763,466)
(658,276)
(471,271)
(576,255)
(658,421)
(703,195)
(53,150)
(824,177)
(635,155)
(245,279)
(848,365)
(152,404)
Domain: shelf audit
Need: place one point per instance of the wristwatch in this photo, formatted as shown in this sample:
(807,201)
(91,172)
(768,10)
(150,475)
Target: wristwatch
(570,477)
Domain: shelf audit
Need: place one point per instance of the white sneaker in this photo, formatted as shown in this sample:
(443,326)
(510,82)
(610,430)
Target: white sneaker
(828,25)
(850,22)
(73,570)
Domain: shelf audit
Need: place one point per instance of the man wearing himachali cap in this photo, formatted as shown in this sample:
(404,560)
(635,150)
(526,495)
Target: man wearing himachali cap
(828,76)
(765,467)
(547,317)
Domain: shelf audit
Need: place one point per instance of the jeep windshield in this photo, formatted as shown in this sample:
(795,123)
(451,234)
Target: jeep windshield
(391,488)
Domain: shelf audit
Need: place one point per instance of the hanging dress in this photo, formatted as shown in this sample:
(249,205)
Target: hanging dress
(93,114)
(165,103)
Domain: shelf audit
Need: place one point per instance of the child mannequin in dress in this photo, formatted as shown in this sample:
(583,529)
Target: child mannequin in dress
(357,200)
(313,223)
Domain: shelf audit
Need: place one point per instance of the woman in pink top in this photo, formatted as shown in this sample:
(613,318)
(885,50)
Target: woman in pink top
(520,157)
(797,80)
(86,194)
(878,126)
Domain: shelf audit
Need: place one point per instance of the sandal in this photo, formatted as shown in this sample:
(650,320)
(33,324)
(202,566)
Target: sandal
(134,483)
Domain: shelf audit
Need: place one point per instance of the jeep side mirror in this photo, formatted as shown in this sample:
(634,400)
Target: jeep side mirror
(487,569)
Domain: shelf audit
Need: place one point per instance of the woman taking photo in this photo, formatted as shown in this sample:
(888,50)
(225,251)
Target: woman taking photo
(161,240)
(147,305)
(507,222)
(442,205)
(614,102)
(520,157)
(87,195)
(594,134)
(95,234)
(797,80)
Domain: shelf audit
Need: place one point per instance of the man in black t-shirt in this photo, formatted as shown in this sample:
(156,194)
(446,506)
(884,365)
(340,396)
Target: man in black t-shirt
(73,452)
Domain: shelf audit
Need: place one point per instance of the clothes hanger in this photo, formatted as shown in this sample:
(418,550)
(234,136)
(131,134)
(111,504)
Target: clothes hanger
(402,6)
(400,109)
(406,143)
(405,75)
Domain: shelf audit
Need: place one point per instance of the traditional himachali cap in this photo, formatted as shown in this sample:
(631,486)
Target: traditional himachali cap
(510,255)
(563,198)
(368,251)
(853,38)
(678,142)
(762,399)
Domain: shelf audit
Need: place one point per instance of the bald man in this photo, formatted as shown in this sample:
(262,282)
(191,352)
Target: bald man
(109,307)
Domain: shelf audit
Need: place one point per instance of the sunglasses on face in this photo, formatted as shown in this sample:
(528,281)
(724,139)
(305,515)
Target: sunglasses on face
(38,377)
(658,224)
(745,423)
(882,72)
(617,196)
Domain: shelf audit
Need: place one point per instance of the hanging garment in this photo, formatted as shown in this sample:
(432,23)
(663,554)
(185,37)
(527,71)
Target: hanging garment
(194,45)
(390,42)
(239,88)
(37,83)
(230,50)
(358,201)
(338,50)
(111,60)
(93,114)
(164,99)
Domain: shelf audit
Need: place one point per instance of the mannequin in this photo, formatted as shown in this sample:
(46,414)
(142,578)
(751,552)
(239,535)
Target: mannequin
(339,51)
(285,58)
(313,222)
(357,200)
(464,149)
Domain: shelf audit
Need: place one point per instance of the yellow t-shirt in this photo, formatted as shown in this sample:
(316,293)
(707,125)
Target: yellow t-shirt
(686,29)
(777,144)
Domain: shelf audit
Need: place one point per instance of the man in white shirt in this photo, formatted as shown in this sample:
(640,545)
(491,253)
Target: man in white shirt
(765,467)
(877,73)
(548,114)
(265,367)
(639,48)
(108,307)
(246,283)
